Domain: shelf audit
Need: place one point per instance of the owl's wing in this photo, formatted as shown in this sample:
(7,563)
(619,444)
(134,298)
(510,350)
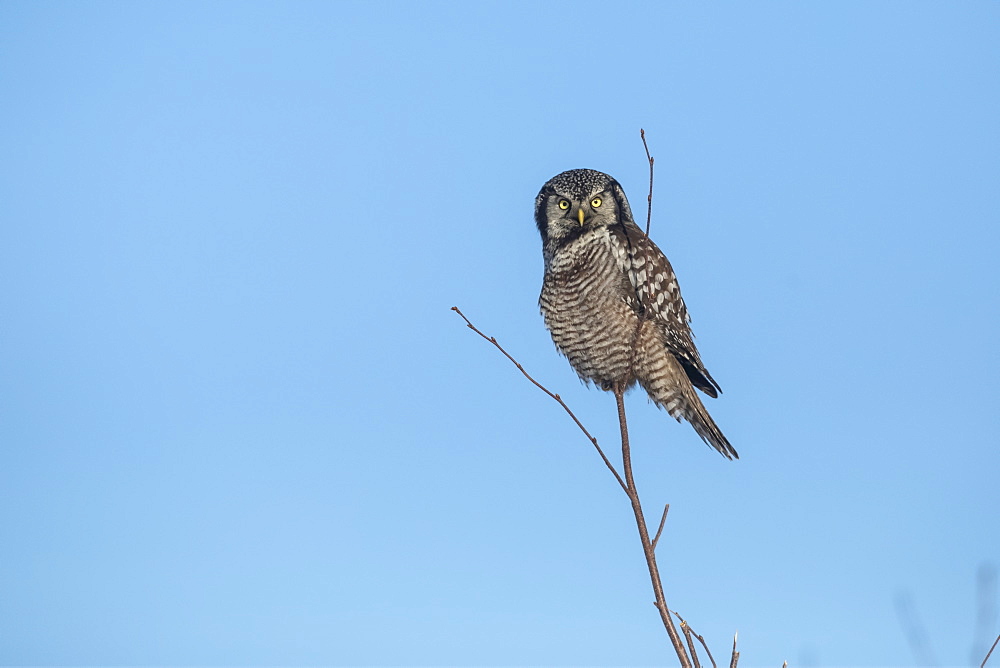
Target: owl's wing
(658,297)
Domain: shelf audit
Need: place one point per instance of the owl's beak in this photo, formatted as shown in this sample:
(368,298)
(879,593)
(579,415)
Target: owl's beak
(579,214)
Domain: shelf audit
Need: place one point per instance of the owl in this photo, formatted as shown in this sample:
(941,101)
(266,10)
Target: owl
(611,301)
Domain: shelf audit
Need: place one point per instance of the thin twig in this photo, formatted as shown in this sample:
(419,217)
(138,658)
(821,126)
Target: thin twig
(647,545)
(736,655)
(690,643)
(649,200)
(659,529)
(643,249)
(700,639)
(983,664)
(544,389)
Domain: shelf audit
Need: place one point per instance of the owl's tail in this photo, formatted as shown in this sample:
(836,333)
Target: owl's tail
(703,423)
(670,389)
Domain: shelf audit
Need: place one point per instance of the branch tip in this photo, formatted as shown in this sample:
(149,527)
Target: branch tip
(659,530)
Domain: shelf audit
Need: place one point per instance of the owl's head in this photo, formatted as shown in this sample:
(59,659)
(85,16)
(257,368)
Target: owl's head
(579,200)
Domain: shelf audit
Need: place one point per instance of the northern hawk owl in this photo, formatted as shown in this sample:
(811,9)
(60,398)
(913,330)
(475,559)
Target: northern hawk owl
(611,301)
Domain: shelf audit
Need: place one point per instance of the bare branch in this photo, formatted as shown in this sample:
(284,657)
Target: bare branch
(659,530)
(736,655)
(983,664)
(558,399)
(649,199)
(647,545)
(627,484)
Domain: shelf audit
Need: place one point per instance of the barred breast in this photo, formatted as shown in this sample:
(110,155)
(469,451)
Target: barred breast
(586,309)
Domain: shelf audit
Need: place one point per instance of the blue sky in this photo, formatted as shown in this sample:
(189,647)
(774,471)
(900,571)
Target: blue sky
(240,426)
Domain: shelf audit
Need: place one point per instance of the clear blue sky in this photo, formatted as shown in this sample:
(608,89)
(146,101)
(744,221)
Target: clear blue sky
(239,424)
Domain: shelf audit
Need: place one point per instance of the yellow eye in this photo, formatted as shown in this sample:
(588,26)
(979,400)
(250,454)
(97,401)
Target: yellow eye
(596,202)
(564,204)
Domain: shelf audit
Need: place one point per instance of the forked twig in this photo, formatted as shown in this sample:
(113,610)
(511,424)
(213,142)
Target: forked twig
(544,389)
(701,639)
(627,484)
(690,643)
